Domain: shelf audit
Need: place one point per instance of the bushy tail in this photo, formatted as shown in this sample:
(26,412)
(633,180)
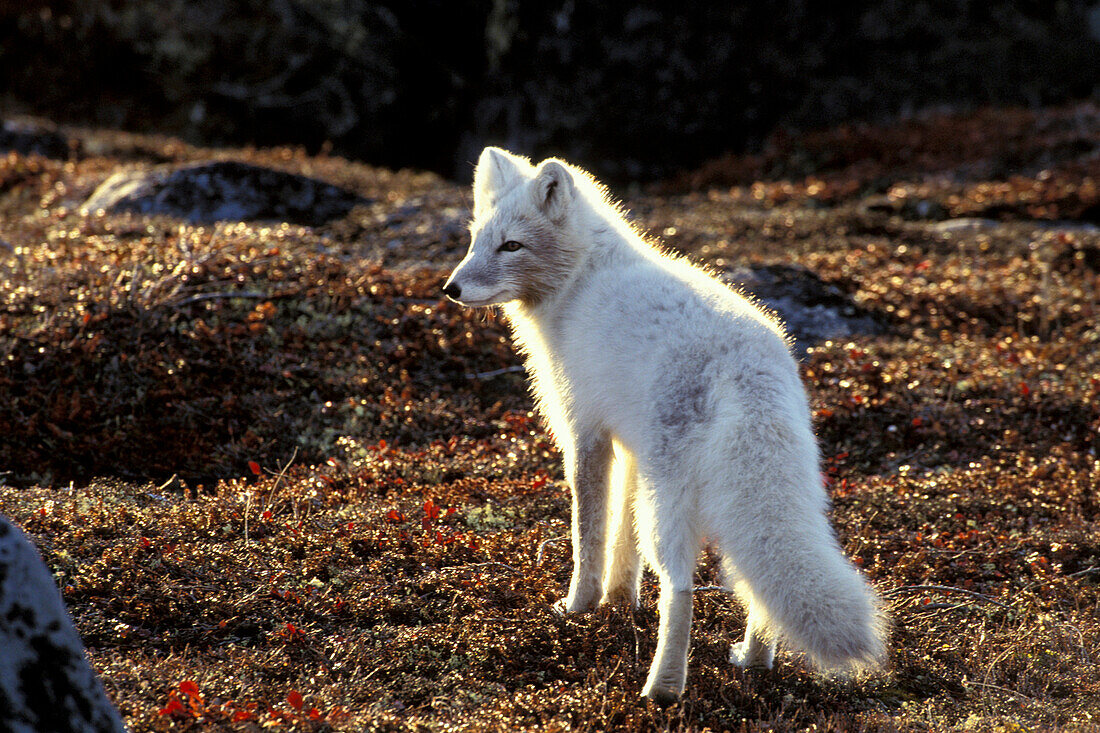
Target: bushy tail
(806,593)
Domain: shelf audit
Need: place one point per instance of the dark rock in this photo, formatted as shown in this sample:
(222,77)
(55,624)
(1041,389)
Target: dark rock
(812,309)
(46,682)
(223,190)
(28,137)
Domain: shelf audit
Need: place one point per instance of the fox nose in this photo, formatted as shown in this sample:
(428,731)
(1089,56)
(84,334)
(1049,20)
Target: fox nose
(452,290)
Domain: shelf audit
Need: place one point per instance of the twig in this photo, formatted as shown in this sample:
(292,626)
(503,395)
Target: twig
(471,566)
(219,296)
(544,543)
(279,477)
(247,509)
(998,688)
(941,607)
(135,278)
(722,588)
(943,589)
(1086,571)
(1078,574)
(637,643)
(495,372)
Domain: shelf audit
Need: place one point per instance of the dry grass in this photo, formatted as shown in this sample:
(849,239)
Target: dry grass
(389,574)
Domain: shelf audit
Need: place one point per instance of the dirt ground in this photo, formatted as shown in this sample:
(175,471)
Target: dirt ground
(283,484)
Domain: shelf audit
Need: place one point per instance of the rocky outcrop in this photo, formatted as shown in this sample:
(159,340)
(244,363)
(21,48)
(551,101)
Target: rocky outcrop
(33,137)
(223,190)
(812,309)
(46,682)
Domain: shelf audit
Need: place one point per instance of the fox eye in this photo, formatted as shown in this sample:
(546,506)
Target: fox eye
(510,246)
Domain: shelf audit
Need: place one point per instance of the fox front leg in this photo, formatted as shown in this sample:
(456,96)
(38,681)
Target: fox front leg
(588,469)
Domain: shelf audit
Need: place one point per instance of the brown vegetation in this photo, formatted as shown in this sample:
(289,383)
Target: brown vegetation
(357,534)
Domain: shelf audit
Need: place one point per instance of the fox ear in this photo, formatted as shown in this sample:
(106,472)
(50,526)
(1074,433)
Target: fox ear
(497,172)
(553,189)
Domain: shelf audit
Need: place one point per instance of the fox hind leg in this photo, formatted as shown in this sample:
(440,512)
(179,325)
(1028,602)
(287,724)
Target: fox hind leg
(670,545)
(757,651)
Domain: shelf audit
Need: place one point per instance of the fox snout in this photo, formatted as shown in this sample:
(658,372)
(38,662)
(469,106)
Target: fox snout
(477,283)
(452,290)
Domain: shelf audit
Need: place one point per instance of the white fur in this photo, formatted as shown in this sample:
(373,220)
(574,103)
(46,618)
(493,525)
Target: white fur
(643,360)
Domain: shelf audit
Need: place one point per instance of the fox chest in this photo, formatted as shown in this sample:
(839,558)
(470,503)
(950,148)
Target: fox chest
(579,391)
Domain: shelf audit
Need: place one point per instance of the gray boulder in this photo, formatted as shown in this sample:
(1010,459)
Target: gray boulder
(812,309)
(33,137)
(223,190)
(46,682)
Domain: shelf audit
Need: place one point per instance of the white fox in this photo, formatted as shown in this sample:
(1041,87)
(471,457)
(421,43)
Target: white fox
(681,416)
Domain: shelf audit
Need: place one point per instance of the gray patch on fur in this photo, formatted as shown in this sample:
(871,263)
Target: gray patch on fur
(686,400)
(593,465)
(685,404)
(588,477)
(549,262)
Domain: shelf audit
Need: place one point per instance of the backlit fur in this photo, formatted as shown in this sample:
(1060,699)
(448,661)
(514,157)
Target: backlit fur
(681,417)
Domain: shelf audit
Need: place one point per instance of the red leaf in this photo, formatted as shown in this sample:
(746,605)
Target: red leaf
(254,467)
(295,699)
(539,483)
(394,516)
(173,707)
(187,687)
(431,509)
(1024,389)
(267,515)
(241,715)
(315,714)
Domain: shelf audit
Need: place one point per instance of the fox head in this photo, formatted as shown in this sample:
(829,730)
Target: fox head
(522,243)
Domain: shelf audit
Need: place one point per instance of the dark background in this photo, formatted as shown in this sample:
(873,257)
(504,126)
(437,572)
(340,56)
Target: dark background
(632,89)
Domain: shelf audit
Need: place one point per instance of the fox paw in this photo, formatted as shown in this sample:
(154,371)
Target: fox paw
(623,596)
(568,605)
(741,655)
(663,694)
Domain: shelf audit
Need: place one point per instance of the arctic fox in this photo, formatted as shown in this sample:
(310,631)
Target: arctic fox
(681,417)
